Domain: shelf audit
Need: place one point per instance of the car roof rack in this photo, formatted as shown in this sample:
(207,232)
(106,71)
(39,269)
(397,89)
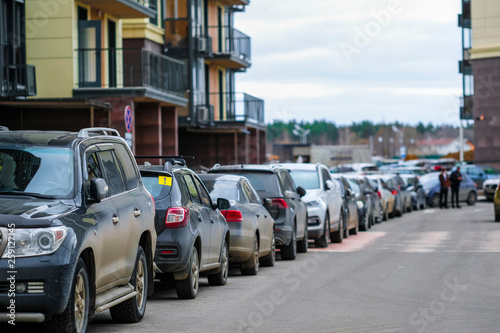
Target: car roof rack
(4,129)
(170,160)
(87,132)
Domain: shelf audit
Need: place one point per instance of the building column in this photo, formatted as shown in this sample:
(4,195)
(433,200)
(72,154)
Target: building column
(169,131)
(148,129)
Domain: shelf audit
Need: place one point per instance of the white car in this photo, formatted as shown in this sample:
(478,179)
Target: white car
(323,200)
(489,188)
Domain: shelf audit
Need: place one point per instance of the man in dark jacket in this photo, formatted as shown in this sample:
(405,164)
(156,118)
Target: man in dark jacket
(445,183)
(455,178)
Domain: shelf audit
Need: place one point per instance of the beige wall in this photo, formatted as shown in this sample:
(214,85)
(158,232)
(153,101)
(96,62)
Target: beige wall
(485,16)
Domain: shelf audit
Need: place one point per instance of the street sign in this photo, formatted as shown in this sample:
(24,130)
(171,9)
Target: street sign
(128,118)
(402,152)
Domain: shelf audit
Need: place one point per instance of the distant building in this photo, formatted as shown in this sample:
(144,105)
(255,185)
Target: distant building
(438,147)
(480,66)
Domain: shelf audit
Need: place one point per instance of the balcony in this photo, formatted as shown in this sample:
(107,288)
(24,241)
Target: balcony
(231,47)
(237,108)
(130,72)
(234,2)
(125,8)
(465,67)
(18,81)
(466,108)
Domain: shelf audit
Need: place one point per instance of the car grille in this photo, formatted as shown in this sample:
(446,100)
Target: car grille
(491,187)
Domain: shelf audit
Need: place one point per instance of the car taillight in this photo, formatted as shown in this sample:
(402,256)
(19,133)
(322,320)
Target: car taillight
(394,192)
(232,215)
(281,203)
(379,195)
(177,217)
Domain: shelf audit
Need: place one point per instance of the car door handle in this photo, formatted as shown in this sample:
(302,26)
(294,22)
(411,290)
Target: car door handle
(137,212)
(258,215)
(212,221)
(115,219)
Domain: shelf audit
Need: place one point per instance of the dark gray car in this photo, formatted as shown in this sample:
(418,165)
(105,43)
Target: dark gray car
(274,182)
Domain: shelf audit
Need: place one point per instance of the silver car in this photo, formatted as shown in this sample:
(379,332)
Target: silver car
(323,200)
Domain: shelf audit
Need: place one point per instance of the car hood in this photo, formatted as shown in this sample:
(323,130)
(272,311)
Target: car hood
(29,212)
(312,194)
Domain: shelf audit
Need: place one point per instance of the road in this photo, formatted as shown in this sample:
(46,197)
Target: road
(428,271)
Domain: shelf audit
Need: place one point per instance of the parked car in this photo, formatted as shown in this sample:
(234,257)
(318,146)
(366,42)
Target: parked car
(80,226)
(354,167)
(410,170)
(399,196)
(430,182)
(350,205)
(193,236)
(286,207)
(251,227)
(323,200)
(364,203)
(480,173)
(496,205)
(489,188)
(416,190)
(385,194)
(371,190)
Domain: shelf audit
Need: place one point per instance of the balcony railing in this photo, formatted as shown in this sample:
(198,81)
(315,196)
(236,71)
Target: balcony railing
(111,68)
(19,80)
(227,40)
(466,107)
(238,107)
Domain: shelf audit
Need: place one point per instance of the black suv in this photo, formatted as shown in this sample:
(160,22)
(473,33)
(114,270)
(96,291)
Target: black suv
(193,236)
(77,229)
(281,197)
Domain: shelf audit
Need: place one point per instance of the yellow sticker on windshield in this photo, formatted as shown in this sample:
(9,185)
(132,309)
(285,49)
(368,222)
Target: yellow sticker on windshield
(164,180)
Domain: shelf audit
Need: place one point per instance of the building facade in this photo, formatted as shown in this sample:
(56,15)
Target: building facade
(161,72)
(480,22)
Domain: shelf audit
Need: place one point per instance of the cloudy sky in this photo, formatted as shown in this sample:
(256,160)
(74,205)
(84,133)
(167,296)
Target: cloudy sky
(345,61)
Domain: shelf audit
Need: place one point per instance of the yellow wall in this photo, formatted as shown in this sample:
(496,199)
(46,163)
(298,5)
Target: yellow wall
(50,44)
(485,29)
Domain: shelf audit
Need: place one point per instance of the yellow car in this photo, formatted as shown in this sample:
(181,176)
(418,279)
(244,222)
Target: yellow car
(497,204)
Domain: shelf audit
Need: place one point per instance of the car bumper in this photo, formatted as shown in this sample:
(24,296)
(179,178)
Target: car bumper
(47,280)
(241,243)
(315,221)
(173,249)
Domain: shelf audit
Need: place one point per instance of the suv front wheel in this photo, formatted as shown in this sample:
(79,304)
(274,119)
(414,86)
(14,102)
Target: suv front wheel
(74,319)
(133,309)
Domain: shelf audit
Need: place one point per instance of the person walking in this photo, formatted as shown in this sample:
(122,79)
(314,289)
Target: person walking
(455,179)
(444,181)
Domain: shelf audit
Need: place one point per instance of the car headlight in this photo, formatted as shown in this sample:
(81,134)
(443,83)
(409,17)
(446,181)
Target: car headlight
(314,203)
(360,204)
(36,242)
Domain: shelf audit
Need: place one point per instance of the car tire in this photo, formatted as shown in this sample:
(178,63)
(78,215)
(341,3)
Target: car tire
(366,222)
(253,263)
(289,252)
(188,288)
(385,215)
(471,198)
(497,217)
(133,309)
(220,278)
(346,226)
(323,240)
(338,236)
(75,317)
(409,208)
(268,260)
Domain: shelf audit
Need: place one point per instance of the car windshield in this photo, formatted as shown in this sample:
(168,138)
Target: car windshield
(308,179)
(222,189)
(354,185)
(43,171)
(159,185)
(429,180)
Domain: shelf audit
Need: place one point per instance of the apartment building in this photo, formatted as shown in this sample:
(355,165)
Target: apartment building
(480,66)
(161,72)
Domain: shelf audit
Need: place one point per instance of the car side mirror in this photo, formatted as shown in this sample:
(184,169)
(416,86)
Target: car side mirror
(98,189)
(329,184)
(301,191)
(222,204)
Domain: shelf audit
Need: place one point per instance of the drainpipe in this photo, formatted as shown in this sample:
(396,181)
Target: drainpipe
(191,59)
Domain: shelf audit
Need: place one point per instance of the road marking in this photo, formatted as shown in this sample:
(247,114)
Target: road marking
(429,211)
(353,243)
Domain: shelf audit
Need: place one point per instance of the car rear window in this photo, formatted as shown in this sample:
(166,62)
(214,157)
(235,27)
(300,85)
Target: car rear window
(222,189)
(265,183)
(308,179)
(159,185)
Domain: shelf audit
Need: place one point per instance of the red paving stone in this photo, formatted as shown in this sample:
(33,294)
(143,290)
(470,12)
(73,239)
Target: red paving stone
(353,243)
